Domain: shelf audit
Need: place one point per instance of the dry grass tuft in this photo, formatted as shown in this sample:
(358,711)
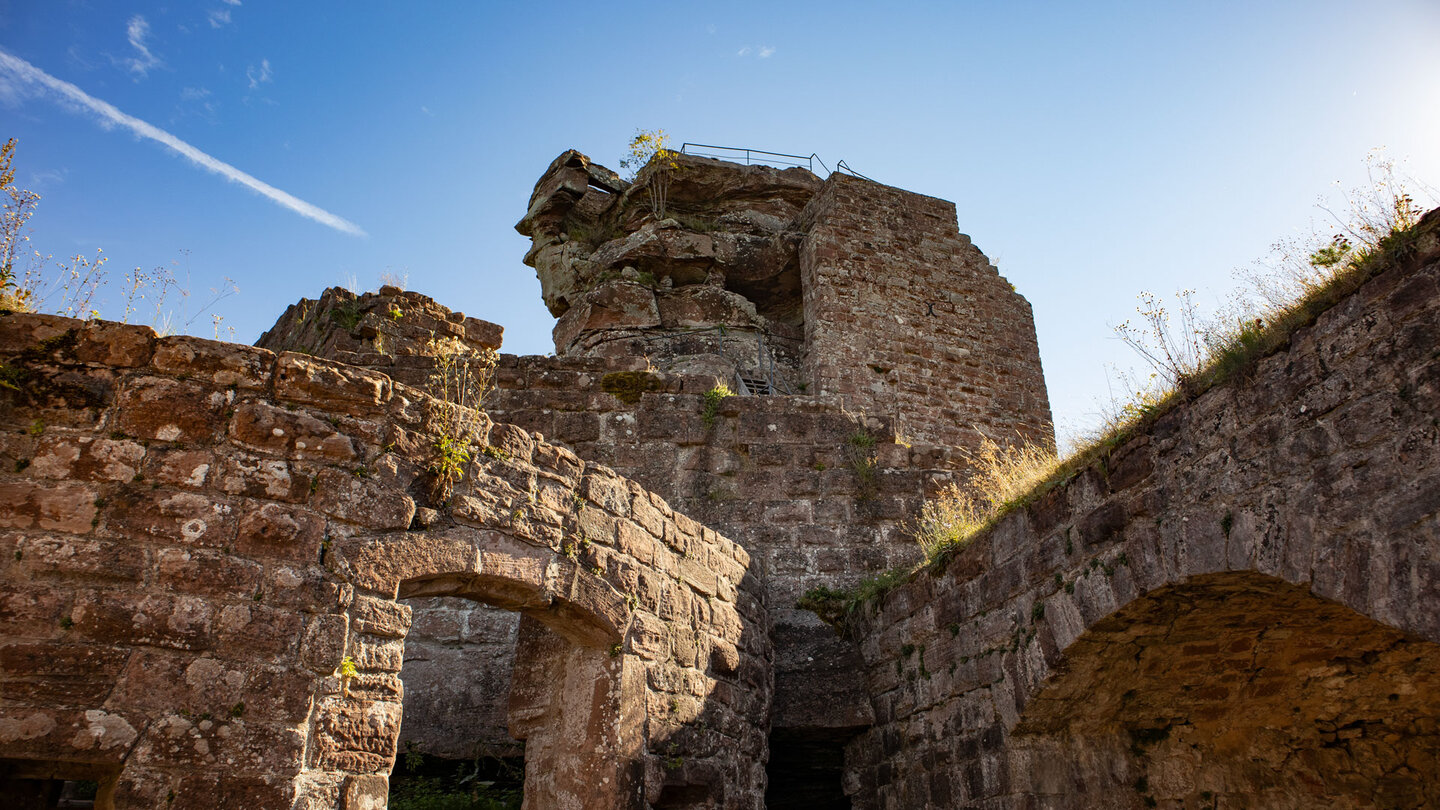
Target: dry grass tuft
(999,475)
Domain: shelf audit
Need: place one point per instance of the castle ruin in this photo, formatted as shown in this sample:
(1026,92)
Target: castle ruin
(231,580)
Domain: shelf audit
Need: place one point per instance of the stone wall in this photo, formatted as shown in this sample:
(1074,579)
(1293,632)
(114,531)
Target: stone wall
(1235,607)
(906,318)
(197,535)
(401,333)
(864,294)
(787,477)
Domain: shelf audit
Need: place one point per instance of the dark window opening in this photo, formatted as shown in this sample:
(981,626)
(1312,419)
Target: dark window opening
(805,770)
(44,785)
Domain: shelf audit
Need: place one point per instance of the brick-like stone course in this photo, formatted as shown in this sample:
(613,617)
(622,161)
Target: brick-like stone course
(906,318)
(1235,606)
(189,552)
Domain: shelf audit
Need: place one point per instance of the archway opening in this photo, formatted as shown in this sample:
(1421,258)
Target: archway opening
(455,743)
(1235,690)
(561,709)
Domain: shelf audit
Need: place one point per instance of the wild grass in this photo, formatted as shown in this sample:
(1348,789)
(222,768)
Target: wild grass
(74,287)
(998,475)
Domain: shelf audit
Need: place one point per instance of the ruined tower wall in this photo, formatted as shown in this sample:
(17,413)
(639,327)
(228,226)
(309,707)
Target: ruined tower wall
(1234,606)
(196,535)
(905,318)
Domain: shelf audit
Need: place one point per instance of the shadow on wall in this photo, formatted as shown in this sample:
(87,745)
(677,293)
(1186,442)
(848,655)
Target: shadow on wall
(1236,689)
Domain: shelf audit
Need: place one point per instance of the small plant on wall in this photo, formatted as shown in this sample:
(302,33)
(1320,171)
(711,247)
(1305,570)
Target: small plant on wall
(713,398)
(651,148)
(463,376)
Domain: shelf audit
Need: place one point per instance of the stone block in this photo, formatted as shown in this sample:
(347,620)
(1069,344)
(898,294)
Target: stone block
(165,516)
(63,507)
(362,501)
(356,737)
(175,467)
(223,364)
(171,410)
(265,428)
(381,617)
(324,643)
(86,458)
(270,530)
(115,345)
(332,386)
(173,622)
(50,557)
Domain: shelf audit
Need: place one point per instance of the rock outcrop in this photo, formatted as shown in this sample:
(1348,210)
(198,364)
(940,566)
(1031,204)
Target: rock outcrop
(624,281)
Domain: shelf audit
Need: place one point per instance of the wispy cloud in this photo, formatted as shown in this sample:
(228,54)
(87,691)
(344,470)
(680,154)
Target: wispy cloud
(22,73)
(260,75)
(219,17)
(137,30)
(231,2)
(198,101)
(745,51)
(766,52)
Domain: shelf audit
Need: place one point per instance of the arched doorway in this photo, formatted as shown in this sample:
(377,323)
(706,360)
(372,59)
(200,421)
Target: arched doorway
(455,740)
(567,692)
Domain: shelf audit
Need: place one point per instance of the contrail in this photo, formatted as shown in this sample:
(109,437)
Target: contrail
(29,74)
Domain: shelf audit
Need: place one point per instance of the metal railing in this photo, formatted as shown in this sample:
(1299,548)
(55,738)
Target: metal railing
(842,166)
(740,154)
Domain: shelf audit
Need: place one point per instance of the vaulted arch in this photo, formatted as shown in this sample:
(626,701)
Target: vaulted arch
(1234,689)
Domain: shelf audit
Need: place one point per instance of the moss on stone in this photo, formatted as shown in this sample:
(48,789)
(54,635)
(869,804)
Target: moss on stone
(628,386)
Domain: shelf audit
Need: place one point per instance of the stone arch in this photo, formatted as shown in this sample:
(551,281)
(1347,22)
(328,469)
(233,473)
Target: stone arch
(572,678)
(1231,689)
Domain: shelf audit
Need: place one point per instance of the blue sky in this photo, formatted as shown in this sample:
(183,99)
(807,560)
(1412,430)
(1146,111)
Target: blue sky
(1093,150)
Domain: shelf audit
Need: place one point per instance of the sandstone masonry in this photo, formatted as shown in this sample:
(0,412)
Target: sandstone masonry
(199,540)
(197,535)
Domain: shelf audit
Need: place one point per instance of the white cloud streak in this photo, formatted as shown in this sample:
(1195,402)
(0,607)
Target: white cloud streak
(258,76)
(766,52)
(136,31)
(24,73)
(219,18)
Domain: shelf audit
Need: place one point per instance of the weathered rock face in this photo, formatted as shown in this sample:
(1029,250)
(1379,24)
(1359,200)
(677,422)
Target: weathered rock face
(1235,608)
(199,540)
(394,331)
(625,282)
(724,221)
